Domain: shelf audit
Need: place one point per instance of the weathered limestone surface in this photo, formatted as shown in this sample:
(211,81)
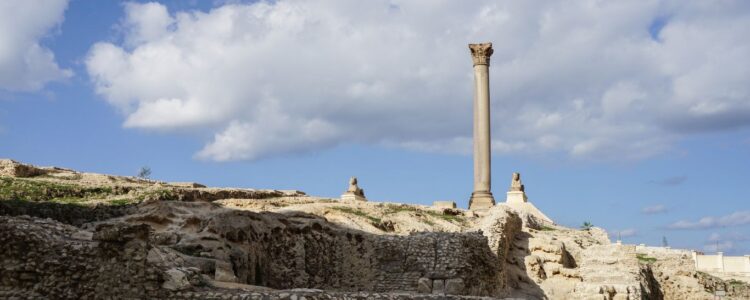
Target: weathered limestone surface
(43,259)
(13,168)
(292,247)
(444,204)
(501,226)
(173,246)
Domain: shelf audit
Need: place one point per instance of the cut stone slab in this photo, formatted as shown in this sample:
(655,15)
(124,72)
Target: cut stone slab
(444,204)
(438,287)
(454,286)
(424,285)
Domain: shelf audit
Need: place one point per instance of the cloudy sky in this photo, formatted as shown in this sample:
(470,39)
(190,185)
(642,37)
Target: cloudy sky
(633,115)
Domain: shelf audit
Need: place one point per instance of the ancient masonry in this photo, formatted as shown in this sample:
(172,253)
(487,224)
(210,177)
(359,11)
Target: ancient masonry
(481,198)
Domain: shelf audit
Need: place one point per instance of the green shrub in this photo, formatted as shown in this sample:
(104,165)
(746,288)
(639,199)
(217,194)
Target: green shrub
(357,212)
(645,259)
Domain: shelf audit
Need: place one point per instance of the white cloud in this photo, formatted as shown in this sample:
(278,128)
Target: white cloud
(734,219)
(582,78)
(26,65)
(654,209)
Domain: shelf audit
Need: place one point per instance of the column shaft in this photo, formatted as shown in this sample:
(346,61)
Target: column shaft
(482,140)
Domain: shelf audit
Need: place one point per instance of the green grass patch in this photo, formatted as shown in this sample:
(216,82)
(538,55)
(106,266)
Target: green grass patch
(358,212)
(157,194)
(645,259)
(547,228)
(69,200)
(37,190)
(393,209)
(120,202)
(736,282)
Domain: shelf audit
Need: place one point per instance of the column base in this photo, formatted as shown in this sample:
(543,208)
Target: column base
(481,201)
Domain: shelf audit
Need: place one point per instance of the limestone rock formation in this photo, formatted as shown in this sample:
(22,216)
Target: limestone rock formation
(15,169)
(71,235)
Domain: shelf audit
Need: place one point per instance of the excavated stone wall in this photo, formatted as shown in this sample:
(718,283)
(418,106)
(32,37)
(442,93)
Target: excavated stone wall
(453,263)
(69,214)
(171,251)
(306,251)
(46,259)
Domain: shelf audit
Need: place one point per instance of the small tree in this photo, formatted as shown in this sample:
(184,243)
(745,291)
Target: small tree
(145,172)
(587,225)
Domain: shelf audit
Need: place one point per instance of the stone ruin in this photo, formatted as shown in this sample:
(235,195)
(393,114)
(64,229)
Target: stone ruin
(43,257)
(354,192)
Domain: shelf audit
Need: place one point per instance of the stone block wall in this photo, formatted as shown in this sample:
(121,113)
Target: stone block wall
(318,255)
(126,258)
(43,258)
(409,263)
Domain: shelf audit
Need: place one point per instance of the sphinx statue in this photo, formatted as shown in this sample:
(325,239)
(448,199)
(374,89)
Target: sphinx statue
(515,184)
(354,189)
(354,192)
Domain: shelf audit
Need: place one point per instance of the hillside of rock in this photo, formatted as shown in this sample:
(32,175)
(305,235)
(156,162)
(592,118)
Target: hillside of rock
(71,235)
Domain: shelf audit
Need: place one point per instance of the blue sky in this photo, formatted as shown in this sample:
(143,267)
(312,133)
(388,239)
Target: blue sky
(631,116)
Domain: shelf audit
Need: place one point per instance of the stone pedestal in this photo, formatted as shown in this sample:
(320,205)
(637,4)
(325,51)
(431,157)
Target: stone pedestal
(444,204)
(352,197)
(516,197)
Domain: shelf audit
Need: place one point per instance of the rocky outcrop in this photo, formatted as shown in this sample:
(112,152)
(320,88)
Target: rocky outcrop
(301,250)
(138,238)
(76,215)
(611,272)
(15,169)
(502,226)
(677,279)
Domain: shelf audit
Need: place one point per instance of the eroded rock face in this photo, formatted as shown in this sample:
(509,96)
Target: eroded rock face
(190,242)
(676,277)
(43,258)
(15,169)
(278,251)
(501,226)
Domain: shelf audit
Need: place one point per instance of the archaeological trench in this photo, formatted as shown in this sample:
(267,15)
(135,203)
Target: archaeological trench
(73,235)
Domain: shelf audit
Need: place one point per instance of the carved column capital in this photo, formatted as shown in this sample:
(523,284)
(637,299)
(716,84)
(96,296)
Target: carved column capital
(480,53)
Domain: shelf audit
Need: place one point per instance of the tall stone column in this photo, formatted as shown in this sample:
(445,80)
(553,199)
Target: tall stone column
(481,198)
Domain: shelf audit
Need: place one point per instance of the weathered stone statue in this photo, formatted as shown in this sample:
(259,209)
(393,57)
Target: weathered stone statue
(354,192)
(516,192)
(516,185)
(354,188)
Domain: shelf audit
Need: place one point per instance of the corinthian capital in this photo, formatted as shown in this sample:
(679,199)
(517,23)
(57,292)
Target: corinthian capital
(480,53)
